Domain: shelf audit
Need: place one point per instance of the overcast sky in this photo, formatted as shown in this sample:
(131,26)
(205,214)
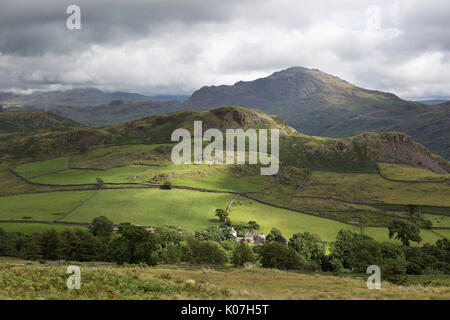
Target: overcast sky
(178,46)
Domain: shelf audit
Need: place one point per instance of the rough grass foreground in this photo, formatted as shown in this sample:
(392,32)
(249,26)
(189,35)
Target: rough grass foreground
(112,282)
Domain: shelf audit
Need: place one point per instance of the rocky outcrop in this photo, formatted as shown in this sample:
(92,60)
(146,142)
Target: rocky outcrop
(397,147)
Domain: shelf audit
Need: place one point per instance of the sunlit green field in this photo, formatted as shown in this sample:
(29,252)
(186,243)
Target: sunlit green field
(192,210)
(30,228)
(214,177)
(73,176)
(291,222)
(33,169)
(195,210)
(405,172)
(40,206)
(110,157)
(373,188)
(438,220)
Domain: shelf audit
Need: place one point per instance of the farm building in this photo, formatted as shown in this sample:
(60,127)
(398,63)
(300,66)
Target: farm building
(253,237)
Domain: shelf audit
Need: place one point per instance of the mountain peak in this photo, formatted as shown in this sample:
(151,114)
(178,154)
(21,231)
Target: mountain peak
(320,104)
(292,90)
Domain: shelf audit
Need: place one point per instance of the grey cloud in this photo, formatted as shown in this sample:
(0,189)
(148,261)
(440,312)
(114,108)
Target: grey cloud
(36,27)
(162,46)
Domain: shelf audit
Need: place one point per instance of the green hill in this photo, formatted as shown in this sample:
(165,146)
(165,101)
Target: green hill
(360,152)
(324,184)
(30,122)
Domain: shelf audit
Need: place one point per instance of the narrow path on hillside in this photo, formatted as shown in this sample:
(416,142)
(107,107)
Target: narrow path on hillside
(230,204)
(77,206)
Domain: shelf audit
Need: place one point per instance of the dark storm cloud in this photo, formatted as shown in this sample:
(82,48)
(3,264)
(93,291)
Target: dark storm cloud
(177,46)
(36,27)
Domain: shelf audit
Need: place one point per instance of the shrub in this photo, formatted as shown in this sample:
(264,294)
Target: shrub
(166,185)
(171,254)
(276,255)
(394,270)
(348,242)
(135,245)
(205,252)
(242,254)
(427,224)
(274,235)
(311,266)
(229,245)
(413,268)
(214,234)
(442,266)
(368,254)
(336,265)
(168,236)
(101,226)
(307,247)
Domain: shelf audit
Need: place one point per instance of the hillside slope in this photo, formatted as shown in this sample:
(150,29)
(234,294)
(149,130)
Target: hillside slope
(323,185)
(353,153)
(320,104)
(29,122)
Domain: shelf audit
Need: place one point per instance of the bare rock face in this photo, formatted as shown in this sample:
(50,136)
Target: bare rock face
(343,146)
(397,147)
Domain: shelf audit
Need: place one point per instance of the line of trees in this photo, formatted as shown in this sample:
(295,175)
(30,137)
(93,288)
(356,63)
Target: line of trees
(215,245)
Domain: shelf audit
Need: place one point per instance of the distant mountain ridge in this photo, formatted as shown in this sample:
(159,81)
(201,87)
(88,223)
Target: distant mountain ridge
(76,97)
(310,100)
(117,111)
(320,104)
(433,101)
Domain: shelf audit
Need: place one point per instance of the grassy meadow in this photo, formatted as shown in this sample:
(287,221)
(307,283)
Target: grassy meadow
(214,177)
(404,172)
(31,228)
(195,210)
(34,169)
(40,206)
(191,210)
(34,281)
(291,222)
(360,187)
(74,176)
